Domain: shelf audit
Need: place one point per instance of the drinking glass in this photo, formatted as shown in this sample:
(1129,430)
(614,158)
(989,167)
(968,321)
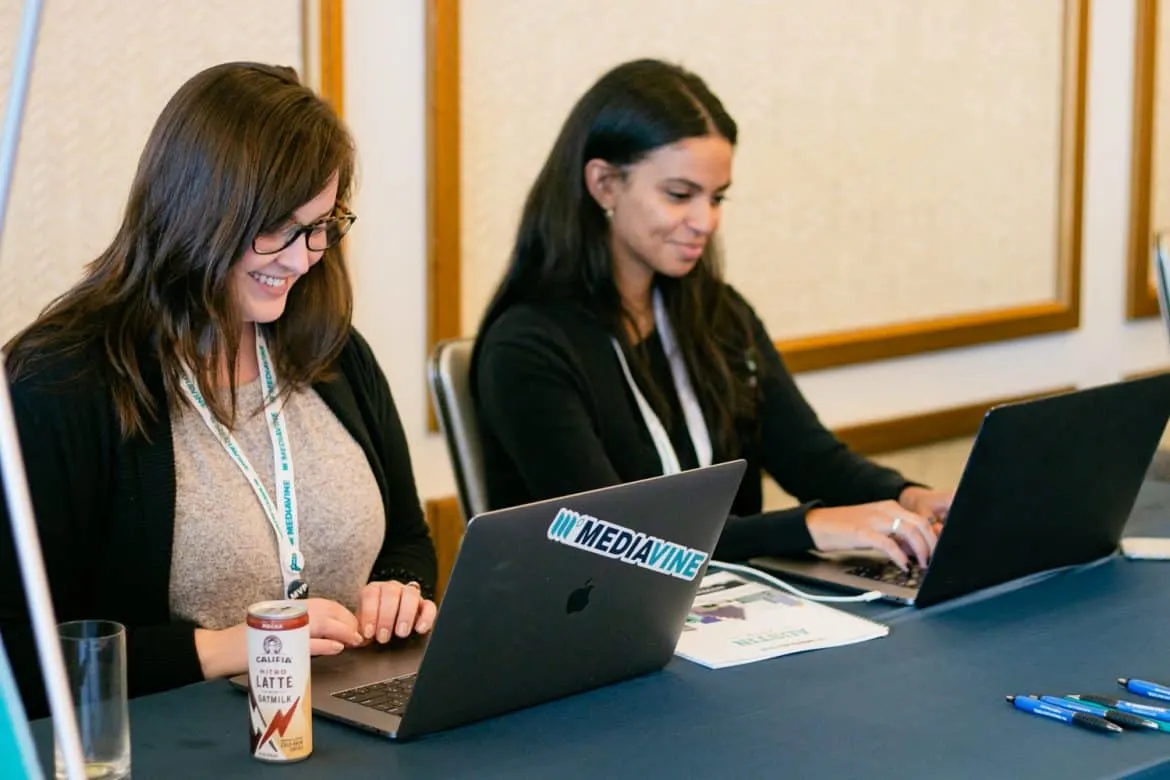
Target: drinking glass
(95,666)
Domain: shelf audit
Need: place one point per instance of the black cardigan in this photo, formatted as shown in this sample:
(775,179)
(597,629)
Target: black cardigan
(105,510)
(557,417)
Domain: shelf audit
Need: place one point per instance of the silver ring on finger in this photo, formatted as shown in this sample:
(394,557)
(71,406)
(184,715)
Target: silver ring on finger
(895,526)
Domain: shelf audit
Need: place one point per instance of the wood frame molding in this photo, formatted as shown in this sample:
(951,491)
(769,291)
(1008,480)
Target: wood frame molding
(802,354)
(444,288)
(446,525)
(1141,298)
(331,40)
(1146,373)
(323,64)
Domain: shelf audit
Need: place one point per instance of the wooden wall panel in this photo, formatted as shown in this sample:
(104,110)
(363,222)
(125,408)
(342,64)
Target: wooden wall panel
(446,524)
(1141,298)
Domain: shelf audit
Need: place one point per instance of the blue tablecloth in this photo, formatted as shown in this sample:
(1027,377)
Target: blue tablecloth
(927,701)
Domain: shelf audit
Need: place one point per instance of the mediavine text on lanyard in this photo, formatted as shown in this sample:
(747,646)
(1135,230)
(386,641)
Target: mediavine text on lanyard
(284,520)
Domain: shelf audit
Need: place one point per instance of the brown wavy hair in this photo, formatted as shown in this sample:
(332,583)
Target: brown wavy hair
(234,153)
(562,249)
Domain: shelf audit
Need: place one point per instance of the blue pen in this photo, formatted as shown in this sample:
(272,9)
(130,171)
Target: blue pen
(1124,719)
(1145,710)
(1145,688)
(1037,707)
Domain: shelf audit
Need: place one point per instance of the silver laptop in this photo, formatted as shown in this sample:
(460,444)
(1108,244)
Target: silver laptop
(545,600)
(1049,483)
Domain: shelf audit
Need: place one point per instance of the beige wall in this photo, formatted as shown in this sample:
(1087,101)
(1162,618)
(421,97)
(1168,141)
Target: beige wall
(898,160)
(385,106)
(103,71)
(385,57)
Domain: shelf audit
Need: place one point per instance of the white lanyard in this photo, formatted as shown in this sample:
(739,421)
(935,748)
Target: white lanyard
(284,521)
(692,413)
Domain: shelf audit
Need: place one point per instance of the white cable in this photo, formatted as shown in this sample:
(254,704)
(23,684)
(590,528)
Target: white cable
(870,595)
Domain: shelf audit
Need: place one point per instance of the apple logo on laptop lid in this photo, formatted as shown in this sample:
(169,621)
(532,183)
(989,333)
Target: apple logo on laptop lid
(579,598)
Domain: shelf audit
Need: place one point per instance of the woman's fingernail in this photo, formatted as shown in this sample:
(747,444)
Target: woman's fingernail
(384,635)
(424,627)
(403,628)
(358,639)
(337,647)
(368,631)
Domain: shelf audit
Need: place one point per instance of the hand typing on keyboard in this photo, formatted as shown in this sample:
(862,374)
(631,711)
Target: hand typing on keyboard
(885,526)
(935,504)
(391,608)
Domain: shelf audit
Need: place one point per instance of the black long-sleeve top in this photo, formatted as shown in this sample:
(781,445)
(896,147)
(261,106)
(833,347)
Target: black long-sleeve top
(558,417)
(105,509)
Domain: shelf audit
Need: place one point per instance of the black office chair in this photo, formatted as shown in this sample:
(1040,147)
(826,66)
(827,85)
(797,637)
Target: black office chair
(449,378)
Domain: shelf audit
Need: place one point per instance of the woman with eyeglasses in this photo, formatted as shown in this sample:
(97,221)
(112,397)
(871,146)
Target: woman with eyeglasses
(164,399)
(613,350)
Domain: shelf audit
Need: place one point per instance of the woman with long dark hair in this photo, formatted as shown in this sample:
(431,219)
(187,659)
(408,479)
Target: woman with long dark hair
(163,400)
(613,350)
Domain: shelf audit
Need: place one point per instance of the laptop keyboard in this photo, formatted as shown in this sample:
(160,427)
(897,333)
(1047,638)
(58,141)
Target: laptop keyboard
(890,574)
(389,696)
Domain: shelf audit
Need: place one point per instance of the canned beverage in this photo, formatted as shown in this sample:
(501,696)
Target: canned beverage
(281,711)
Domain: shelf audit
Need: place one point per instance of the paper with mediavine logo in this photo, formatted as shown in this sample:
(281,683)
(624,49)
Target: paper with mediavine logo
(735,621)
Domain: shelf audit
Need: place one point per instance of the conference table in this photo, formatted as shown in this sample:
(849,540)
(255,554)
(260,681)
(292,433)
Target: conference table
(926,701)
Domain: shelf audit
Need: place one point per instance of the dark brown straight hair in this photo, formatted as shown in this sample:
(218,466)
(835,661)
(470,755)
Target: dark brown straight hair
(236,151)
(562,249)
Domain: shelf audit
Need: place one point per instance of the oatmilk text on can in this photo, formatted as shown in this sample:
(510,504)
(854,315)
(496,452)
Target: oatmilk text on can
(280,710)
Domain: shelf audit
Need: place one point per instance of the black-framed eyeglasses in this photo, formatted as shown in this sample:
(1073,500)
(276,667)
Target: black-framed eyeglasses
(319,236)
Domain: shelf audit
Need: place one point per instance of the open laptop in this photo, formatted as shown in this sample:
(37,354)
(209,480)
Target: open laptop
(545,600)
(1050,482)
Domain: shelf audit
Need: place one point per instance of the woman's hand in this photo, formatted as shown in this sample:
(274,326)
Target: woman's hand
(332,627)
(222,653)
(885,526)
(392,608)
(925,502)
